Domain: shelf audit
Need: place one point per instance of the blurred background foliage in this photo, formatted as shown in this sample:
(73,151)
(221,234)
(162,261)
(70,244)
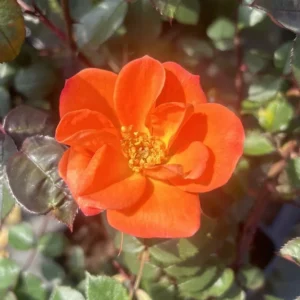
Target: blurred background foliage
(248,56)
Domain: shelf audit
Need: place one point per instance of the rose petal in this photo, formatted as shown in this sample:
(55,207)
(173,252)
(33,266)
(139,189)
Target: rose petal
(192,157)
(107,182)
(89,89)
(76,166)
(80,120)
(164,172)
(221,131)
(87,129)
(167,118)
(63,165)
(137,88)
(165,212)
(77,163)
(180,86)
(118,195)
(90,211)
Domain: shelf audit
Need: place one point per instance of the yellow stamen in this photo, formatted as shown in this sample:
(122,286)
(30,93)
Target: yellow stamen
(141,149)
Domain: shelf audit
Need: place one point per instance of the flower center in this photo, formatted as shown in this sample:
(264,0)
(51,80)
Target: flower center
(141,149)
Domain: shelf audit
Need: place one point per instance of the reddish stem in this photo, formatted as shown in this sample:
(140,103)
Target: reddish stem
(252,222)
(36,12)
(239,80)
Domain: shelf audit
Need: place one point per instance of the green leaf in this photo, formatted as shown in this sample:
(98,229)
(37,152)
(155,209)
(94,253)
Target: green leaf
(195,48)
(99,24)
(10,296)
(5,101)
(293,172)
(198,248)
(257,144)
(221,32)
(52,244)
(200,282)
(167,8)
(178,271)
(291,251)
(7,73)
(25,121)
(30,287)
(132,261)
(33,175)
(162,290)
(264,88)
(187,248)
(282,57)
(7,201)
(21,236)
(149,22)
(296,60)
(12,30)
(276,115)
(234,293)
(221,285)
(249,17)
(107,287)
(250,107)
(76,261)
(80,8)
(9,273)
(65,293)
(166,252)
(251,277)
(255,61)
(35,81)
(282,12)
(270,297)
(188,12)
(52,271)
(128,243)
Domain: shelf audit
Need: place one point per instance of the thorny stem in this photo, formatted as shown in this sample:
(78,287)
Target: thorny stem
(66,38)
(121,270)
(144,258)
(239,81)
(68,22)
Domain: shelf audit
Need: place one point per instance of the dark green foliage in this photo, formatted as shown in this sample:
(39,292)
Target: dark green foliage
(247,54)
(12,30)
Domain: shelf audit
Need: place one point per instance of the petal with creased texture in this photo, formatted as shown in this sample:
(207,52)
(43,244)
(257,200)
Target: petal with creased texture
(165,212)
(166,120)
(221,131)
(87,129)
(137,88)
(181,86)
(108,183)
(192,157)
(89,89)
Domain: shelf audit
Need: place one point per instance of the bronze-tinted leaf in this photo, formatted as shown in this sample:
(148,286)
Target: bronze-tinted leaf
(33,176)
(282,12)
(7,148)
(66,213)
(25,121)
(12,30)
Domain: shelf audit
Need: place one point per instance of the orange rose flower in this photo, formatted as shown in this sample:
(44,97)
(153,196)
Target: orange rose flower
(143,145)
